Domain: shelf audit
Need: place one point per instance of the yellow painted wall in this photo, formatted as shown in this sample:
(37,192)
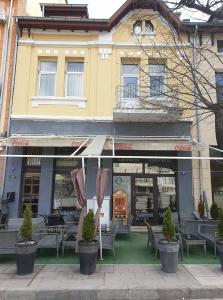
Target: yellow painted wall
(101,76)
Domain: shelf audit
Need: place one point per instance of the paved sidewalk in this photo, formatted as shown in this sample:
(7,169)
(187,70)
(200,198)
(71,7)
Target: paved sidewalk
(110,282)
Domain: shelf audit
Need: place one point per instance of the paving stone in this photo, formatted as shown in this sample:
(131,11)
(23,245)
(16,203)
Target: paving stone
(22,294)
(113,294)
(2,294)
(143,294)
(174,293)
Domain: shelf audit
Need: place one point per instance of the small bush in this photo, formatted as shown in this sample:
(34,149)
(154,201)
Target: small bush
(220,224)
(201,209)
(89,226)
(168,226)
(214,211)
(26,229)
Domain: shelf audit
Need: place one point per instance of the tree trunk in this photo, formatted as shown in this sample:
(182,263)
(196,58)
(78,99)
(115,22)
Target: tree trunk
(219,127)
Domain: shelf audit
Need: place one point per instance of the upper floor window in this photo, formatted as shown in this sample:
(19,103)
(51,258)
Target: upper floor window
(148,26)
(137,28)
(47,78)
(220,46)
(74,79)
(157,80)
(130,79)
(219,86)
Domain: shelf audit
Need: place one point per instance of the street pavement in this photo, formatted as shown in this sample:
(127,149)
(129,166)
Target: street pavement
(112,282)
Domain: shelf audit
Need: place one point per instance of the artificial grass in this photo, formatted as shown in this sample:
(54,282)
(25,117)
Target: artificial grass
(128,251)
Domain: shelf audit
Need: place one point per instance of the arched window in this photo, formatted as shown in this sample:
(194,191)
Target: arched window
(148,27)
(137,28)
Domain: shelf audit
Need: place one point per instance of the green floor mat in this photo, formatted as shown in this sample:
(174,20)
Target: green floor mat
(128,251)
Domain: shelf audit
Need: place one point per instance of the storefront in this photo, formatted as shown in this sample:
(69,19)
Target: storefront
(151,183)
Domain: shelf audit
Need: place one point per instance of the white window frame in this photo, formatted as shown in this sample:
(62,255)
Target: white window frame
(220,52)
(66,79)
(162,97)
(46,73)
(130,76)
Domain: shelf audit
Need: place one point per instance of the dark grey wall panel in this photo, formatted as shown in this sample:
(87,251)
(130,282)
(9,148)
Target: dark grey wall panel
(107,128)
(13,180)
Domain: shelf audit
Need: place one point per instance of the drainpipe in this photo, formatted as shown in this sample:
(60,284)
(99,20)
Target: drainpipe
(5,56)
(10,103)
(197,110)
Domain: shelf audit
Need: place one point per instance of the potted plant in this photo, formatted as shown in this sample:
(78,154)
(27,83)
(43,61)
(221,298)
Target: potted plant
(169,247)
(88,247)
(26,247)
(220,236)
(214,211)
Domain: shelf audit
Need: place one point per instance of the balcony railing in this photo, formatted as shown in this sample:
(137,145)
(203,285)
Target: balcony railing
(136,97)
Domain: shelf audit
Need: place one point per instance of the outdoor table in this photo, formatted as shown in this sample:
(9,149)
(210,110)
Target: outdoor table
(193,240)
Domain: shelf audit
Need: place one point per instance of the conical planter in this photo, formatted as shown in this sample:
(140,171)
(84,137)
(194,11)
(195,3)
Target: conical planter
(25,256)
(169,255)
(220,252)
(88,252)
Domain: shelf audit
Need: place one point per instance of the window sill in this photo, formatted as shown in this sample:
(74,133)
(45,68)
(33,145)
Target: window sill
(144,34)
(52,100)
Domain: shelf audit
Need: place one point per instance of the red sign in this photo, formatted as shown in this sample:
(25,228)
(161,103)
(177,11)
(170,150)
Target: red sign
(20,143)
(183,147)
(76,143)
(123,146)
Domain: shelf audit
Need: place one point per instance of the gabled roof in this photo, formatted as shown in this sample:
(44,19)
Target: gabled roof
(54,20)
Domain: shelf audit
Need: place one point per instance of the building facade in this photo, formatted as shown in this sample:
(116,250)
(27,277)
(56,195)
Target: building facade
(79,88)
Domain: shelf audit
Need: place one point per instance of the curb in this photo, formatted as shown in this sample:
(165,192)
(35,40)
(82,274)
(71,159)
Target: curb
(112,294)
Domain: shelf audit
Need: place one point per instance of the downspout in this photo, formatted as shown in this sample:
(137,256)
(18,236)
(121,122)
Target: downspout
(11,100)
(4,58)
(197,116)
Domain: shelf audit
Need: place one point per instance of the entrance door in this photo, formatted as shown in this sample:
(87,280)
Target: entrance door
(31,192)
(151,196)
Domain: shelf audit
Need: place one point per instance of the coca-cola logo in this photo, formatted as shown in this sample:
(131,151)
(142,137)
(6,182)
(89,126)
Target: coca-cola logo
(123,146)
(183,147)
(20,143)
(76,143)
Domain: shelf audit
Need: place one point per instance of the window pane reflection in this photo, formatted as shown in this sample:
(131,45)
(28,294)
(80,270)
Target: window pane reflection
(127,167)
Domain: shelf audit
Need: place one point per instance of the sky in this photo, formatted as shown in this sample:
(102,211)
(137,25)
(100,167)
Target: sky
(105,8)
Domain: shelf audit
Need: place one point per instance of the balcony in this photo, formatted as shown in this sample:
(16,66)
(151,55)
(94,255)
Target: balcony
(134,105)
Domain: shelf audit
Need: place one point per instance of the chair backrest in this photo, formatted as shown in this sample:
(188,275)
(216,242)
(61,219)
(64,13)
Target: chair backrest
(130,219)
(4,219)
(114,228)
(8,239)
(205,228)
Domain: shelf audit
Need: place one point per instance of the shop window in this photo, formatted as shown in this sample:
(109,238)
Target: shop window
(33,161)
(157,169)
(219,86)
(47,78)
(157,80)
(130,80)
(74,79)
(137,28)
(127,167)
(216,178)
(64,194)
(220,46)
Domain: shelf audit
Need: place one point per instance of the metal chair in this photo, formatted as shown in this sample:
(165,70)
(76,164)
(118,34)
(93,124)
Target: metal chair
(4,222)
(108,239)
(125,229)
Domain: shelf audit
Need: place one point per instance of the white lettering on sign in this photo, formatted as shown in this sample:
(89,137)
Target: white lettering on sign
(183,147)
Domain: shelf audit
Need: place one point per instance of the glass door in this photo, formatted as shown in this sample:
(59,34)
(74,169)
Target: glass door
(30,195)
(144,206)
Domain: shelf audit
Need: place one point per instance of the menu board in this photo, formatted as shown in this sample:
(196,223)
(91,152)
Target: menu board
(120,206)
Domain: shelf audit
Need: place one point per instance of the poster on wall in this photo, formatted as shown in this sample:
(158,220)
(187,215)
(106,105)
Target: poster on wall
(120,206)
(123,183)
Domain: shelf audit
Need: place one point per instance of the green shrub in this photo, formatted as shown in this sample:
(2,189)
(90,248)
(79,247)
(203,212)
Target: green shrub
(220,224)
(26,229)
(214,211)
(89,226)
(168,226)
(201,209)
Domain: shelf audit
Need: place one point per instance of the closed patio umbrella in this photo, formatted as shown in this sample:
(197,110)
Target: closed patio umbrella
(101,185)
(77,176)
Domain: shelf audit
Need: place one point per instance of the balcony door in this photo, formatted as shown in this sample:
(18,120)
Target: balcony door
(130,84)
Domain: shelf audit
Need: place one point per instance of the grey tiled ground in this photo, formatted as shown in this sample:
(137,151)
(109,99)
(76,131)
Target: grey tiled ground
(112,282)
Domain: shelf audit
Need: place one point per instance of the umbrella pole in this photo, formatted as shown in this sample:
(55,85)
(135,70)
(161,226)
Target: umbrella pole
(83,168)
(100,239)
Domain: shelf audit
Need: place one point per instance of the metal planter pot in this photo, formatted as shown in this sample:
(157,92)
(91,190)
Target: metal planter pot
(25,256)
(220,252)
(169,255)
(88,252)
